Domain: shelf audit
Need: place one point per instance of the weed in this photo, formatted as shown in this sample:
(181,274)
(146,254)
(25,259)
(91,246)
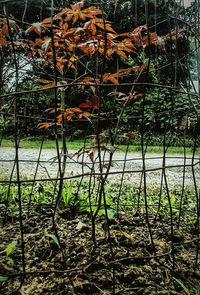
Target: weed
(129,198)
(8,251)
(186,290)
(52,237)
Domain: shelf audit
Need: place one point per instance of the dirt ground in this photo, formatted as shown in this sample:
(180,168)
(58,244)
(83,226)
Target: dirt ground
(123,261)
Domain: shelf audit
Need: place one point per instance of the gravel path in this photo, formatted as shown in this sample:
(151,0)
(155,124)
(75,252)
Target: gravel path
(48,166)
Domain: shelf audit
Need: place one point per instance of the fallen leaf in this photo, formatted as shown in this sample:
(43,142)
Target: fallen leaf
(81,226)
(127,236)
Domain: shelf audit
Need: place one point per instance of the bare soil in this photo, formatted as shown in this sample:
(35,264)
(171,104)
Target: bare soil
(122,262)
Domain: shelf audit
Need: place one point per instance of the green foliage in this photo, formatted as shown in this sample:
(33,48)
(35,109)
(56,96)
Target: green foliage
(197,291)
(3,278)
(52,237)
(68,195)
(111,213)
(187,291)
(160,110)
(30,109)
(10,248)
(35,142)
(130,198)
(126,14)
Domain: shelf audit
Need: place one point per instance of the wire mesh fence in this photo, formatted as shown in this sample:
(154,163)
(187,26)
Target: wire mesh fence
(118,212)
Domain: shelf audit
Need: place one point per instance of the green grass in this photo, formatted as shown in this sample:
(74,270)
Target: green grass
(78,144)
(129,198)
(158,149)
(35,143)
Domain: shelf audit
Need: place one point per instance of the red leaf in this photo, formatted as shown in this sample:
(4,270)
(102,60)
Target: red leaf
(93,103)
(84,105)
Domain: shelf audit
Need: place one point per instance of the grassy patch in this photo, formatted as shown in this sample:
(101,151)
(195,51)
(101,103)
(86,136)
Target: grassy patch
(36,143)
(78,144)
(158,149)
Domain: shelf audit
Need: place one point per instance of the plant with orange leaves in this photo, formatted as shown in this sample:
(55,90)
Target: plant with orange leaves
(76,42)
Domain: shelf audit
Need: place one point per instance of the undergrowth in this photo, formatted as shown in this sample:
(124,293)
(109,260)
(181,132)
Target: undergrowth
(79,198)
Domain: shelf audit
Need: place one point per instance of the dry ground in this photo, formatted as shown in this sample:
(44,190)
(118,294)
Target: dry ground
(122,263)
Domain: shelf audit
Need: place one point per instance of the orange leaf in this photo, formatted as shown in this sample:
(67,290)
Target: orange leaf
(150,39)
(125,72)
(92,11)
(174,34)
(59,118)
(51,111)
(4,30)
(139,29)
(76,12)
(35,27)
(110,77)
(109,52)
(64,26)
(43,81)
(45,125)
(106,27)
(132,96)
(46,20)
(69,117)
(2,40)
(122,54)
(48,23)
(75,17)
(46,83)
(88,80)
(76,110)
(114,80)
(7,24)
(86,115)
